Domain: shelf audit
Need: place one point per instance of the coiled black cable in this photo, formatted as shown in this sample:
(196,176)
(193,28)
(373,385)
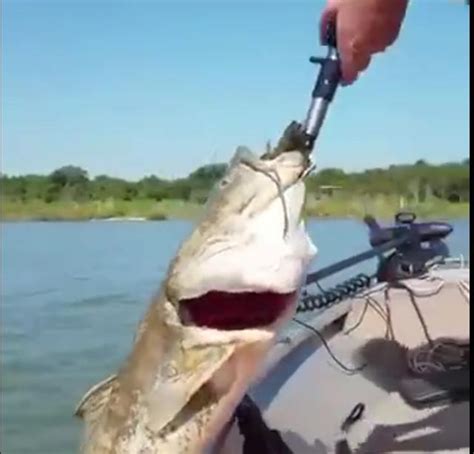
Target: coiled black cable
(328,298)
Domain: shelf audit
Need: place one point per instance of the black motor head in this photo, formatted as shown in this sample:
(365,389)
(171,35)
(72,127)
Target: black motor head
(424,242)
(405,223)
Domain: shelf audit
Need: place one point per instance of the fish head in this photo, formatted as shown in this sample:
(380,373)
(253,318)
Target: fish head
(245,261)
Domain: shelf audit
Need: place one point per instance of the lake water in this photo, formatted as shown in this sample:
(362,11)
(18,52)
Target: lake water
(71,296)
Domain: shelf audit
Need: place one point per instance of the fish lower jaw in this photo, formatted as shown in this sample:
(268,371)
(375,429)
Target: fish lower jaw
(236,311)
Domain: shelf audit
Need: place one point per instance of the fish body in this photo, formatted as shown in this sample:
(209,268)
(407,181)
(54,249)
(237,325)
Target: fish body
(232,285)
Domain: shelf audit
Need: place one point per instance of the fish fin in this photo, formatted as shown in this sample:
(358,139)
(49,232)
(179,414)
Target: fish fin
(203,352)
(95,399)
(171,394)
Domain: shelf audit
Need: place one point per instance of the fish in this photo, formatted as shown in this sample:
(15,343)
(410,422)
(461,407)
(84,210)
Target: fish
(232,286)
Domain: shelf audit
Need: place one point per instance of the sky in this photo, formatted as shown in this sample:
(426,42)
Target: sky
(134,88)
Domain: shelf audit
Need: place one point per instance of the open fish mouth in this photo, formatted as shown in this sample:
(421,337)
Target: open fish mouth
(234,311)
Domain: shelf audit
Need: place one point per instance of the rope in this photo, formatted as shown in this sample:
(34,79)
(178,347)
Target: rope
(361,318)
(444,354)
(349,370)
(439,355)
(389,334)
(420,315)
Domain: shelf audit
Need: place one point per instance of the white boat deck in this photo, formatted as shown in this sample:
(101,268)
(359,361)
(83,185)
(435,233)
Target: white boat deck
(307,396)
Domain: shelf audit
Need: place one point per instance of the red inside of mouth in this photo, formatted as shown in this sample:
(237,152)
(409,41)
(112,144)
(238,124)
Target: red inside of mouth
(228,311)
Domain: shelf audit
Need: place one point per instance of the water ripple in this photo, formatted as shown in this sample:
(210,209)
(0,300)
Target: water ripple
(102,300)
(8,297)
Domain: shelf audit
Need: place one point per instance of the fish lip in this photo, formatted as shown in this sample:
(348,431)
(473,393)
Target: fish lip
(243,289)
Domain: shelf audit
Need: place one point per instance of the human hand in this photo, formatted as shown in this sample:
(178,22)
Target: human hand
(363,28)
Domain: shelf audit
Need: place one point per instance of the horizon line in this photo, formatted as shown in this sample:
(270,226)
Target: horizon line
(315,171)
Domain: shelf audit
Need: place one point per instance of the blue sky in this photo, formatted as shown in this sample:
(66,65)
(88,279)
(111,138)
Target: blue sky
(132,88)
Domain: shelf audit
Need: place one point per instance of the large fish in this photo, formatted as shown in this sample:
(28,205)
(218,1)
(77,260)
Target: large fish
(233,283)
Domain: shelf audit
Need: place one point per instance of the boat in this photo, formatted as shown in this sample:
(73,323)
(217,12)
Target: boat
(376,364)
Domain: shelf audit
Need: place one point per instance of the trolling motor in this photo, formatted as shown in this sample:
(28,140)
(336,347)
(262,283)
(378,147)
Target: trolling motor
(303,136)
(405,250)
(423,245)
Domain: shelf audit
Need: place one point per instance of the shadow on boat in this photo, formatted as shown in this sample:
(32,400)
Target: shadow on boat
(385,361)
(445,428)
(447,433)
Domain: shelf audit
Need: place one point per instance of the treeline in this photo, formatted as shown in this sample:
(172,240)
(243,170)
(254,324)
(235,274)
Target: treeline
(419,181)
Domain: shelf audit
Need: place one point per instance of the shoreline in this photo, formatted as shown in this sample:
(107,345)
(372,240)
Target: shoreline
(191,219)
(141,210)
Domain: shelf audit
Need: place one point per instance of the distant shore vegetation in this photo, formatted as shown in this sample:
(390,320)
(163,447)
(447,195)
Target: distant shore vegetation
(68,193)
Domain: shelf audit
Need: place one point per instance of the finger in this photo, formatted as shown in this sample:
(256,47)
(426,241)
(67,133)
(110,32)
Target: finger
(361,56)
(328,16)
(394,31)
(355,61)
(347,48)
(348,71)
(362,63)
